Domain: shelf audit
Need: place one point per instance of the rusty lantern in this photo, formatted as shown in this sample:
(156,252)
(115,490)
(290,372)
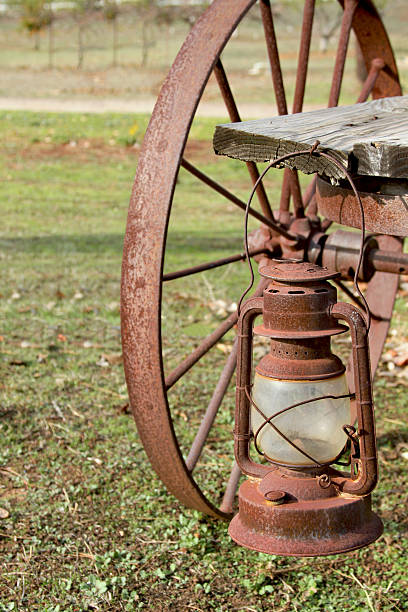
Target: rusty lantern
(297,409)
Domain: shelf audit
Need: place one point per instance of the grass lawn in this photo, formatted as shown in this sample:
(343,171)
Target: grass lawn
(84,523)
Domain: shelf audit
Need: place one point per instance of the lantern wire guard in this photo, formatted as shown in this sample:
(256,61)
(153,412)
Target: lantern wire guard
(268,421)
(348,429)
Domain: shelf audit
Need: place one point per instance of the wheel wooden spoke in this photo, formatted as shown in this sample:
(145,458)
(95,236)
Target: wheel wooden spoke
(346,23)
(227,504)
(234,199)
(234,115)
(291,184)
(211,265)
(213,407)
(376,66)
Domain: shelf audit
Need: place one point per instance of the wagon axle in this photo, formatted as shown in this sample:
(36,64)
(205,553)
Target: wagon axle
(338,251)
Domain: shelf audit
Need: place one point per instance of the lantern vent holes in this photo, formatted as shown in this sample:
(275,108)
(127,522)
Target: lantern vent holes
(287,290)
(281,352)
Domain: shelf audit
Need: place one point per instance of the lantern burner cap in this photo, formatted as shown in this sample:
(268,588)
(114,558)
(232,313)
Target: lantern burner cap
(296,271)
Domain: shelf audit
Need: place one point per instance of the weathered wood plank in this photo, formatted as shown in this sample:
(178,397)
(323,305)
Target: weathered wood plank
(369,139)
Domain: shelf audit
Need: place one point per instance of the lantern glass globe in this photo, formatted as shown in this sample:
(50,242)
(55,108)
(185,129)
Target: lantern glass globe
(315,427)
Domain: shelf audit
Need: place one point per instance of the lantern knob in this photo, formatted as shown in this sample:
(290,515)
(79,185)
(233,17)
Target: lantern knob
(295,271)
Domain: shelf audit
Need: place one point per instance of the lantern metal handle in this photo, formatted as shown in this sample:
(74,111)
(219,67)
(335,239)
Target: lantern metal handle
(366,479)
(249,311)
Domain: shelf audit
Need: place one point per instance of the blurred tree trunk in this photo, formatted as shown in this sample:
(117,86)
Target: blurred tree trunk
(329,20)
(111,13)
(114,42)
(361,70)
(80,42)
(50,45)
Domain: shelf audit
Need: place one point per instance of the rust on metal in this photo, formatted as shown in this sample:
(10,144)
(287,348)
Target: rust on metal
(385,213)
(204,346)
(383,255)
(298,308)
(276,497)
(341,251)
(349,293)
(320,510)
(291,179)
(388,261)
(227,504)
(367,476)
(377,65)
(213,406)
(302,528)
(350,7)
(303,58)
(145,239)
(373,40)
(233,112)
(306,358)
(288,272)
(381,293)
(212,264)
(269,222)
(145,244)
(301,74)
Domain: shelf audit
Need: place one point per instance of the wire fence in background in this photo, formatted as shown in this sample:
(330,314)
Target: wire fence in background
(114,35)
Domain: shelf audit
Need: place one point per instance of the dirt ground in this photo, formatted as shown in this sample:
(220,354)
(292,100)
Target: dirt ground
(117,105)
(122,90)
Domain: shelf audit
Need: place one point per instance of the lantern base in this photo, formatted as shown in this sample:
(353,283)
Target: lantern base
(303,528)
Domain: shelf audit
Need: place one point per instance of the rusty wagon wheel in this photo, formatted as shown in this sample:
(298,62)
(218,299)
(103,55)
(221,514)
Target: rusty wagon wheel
(149,212)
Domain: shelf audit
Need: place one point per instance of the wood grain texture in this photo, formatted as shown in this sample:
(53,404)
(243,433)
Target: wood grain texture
(369,139)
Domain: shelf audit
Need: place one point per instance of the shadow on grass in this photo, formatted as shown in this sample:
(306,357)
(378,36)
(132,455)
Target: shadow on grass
(205,242)
(393,438)
(58,244)
(180,243)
